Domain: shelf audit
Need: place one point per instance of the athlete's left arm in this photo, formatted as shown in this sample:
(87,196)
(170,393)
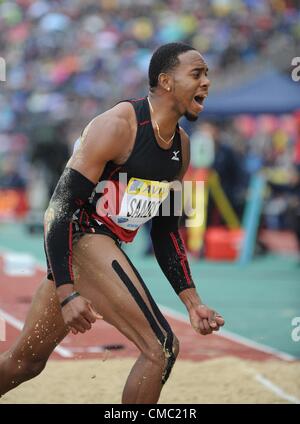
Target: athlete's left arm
(171,255)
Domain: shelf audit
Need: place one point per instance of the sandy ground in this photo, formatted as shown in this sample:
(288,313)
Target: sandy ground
(224,380)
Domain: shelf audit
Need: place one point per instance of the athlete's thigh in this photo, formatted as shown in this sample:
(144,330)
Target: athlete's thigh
(44,326)
(104,275)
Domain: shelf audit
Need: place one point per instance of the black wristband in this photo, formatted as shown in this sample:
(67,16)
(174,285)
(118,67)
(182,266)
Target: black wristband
(69,298)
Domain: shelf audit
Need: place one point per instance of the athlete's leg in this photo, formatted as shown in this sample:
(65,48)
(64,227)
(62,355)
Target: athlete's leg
(133,313)
(44,328)
(105,275)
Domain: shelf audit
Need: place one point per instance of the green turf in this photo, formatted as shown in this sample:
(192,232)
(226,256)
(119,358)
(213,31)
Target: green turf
(258,301)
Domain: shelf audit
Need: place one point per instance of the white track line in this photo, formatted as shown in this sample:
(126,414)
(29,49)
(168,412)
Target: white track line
(258,346)
(14,322)
(234,337)
(65,353)
(41,266)
(276,389)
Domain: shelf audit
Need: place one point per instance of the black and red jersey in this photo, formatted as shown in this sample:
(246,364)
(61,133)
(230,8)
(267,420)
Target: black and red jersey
(128,195)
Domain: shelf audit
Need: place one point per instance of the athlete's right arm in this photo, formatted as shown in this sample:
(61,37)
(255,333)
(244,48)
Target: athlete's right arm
(107,137)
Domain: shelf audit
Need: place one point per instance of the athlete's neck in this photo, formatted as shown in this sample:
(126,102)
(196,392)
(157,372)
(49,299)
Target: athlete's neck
(163,114)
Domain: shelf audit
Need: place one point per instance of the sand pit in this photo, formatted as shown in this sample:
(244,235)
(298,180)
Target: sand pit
(224,380)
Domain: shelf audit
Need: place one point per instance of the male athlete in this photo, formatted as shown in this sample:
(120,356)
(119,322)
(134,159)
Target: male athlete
(89,276)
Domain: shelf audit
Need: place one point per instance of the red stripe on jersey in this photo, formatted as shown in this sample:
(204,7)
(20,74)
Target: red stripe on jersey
(182,258)
(81,215)
(113,172)
(137,100)
(121,233)
(144,123)
(71,251)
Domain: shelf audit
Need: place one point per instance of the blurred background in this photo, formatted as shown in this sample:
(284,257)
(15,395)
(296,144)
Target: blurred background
(69,60)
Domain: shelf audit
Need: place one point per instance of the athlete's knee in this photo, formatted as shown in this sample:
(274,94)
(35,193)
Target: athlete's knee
(33,368)
(176,346)
(24,368)
(171,353)
(154,352)
(15,371)
(164,354)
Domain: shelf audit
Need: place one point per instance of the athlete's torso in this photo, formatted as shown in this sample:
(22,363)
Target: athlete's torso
(128,195)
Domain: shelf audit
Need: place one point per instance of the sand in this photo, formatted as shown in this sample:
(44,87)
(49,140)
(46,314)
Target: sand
(223,380)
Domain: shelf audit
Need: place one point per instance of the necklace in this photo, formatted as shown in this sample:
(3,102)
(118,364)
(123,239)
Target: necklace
(157,126)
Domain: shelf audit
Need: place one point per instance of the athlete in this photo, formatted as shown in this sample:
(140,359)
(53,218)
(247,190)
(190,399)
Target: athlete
(119,176)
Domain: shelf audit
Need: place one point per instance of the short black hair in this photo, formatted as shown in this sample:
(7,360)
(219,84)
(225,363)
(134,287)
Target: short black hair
(164,59)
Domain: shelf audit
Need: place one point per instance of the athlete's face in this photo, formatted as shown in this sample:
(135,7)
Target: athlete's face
(190,84)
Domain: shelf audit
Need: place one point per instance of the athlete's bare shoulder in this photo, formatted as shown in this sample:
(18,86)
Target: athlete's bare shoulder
(116,123)
(108,137)
(123,110)
(123,114)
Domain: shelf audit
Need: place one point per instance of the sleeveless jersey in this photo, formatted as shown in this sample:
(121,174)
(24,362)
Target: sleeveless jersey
(129,195)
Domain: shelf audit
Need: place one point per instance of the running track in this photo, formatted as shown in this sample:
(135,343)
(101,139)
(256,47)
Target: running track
(103,341)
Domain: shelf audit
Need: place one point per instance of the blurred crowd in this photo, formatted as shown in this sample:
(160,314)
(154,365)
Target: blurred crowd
(240,148)
(75,58)
(69,60)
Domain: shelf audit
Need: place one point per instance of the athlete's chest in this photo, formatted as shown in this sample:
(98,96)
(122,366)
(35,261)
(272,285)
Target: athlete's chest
(153,163)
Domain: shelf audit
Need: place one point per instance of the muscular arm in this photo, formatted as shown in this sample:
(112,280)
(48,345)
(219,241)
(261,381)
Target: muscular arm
(171,256)
(107,137)
(170,251)
(167,243)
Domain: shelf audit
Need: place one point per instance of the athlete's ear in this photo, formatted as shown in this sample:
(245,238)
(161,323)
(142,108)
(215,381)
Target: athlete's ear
(165,81)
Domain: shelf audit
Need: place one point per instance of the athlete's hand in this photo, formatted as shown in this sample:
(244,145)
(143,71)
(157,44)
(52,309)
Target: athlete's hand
(79,314)
(205,320)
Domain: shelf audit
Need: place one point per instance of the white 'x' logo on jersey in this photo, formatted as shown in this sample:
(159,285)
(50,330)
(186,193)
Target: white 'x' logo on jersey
(175,157)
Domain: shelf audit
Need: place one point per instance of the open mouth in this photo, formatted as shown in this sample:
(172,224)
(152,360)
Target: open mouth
(200,99)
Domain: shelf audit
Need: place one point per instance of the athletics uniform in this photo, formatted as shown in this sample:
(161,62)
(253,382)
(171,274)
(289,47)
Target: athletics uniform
(136,192)
(142,187)
(124,199)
